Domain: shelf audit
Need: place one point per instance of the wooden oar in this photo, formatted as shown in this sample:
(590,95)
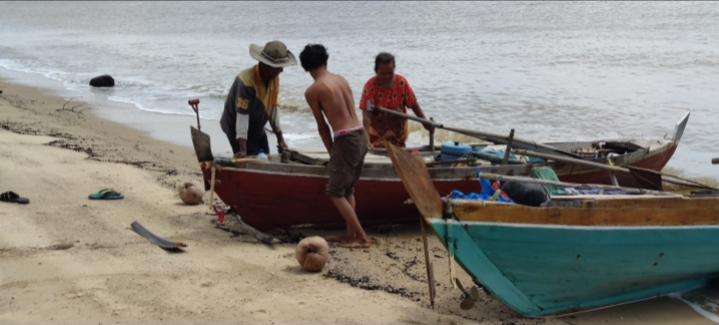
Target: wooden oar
(677,180)
(496,138)
(415,177)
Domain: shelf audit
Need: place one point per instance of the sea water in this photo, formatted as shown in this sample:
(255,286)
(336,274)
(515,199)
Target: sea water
(553,71)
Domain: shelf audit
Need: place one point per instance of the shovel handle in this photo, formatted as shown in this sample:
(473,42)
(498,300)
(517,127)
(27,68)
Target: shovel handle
(193,103)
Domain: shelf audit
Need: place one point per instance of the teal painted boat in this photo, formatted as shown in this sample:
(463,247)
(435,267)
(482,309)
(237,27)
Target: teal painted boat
(579,253)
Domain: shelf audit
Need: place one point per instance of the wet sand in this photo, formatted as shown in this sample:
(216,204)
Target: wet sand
(67,259)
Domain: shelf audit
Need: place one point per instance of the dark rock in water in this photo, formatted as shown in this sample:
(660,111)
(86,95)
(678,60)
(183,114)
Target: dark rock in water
(102,81)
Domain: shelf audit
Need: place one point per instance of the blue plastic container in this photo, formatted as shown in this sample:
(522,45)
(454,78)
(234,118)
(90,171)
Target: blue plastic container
(454,151)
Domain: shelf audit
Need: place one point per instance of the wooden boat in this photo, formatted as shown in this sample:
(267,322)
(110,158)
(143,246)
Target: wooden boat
(279,194)
(579,253)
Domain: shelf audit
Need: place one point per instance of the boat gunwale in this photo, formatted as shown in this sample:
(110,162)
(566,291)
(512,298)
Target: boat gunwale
(373,171)
(622,212)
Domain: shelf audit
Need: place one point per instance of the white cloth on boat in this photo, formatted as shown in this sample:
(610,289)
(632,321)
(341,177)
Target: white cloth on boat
(499,150)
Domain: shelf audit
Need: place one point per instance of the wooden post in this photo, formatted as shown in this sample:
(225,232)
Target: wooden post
(613,176)
(509,148)
(212,186)
(427,263)
(431,147)
(715,161)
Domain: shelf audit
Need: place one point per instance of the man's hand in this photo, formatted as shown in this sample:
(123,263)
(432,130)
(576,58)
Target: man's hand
(242,153)
(281,145)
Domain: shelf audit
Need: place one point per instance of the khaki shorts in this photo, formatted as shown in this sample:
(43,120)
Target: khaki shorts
(346,161)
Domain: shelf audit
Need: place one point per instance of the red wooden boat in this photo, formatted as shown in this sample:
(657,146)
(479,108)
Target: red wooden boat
(287,194)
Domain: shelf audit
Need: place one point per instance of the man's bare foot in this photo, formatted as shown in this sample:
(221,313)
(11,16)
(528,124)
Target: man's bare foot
(355,244)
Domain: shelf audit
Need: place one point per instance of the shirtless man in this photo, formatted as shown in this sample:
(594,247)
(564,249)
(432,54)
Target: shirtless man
(331,94)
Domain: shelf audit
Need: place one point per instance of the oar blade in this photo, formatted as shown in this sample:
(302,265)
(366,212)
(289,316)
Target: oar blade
(474,292)
(415,177)
(467,303)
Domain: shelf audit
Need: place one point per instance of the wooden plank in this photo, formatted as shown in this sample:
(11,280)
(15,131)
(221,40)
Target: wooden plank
(659,212)
(508,150)
(320,157)
(416,180)
(613,176)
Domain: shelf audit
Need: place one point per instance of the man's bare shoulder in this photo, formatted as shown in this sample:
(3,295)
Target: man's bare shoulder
(314,86)
(341,82)
(338,77)
(317,91)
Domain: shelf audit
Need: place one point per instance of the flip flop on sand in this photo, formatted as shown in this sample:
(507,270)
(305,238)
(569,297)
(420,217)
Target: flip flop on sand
(12,197)
(106,194)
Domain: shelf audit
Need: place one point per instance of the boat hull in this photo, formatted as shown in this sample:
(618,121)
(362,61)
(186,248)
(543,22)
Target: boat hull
(655,160)
(268,200)
(564,263)
(288,196)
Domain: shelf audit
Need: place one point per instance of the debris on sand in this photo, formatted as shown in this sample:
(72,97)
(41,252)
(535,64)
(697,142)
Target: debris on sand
(164,243)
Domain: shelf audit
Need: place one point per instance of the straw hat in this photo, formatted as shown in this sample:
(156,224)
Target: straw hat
(274,54)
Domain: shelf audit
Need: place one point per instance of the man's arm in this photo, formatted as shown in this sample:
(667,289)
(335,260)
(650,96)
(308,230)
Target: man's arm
(418,111)
(241,127)
(275,124)
(322,127)
(366,116)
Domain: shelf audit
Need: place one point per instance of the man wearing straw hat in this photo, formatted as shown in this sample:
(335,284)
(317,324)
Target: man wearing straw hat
(252,101)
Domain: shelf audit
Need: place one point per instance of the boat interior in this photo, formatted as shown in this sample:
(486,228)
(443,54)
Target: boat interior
(586,149)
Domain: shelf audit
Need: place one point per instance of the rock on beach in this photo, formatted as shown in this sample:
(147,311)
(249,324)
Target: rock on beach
(103,81)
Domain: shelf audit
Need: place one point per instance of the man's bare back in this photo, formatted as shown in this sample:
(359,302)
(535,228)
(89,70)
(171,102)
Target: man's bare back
(334,95)
(330,98)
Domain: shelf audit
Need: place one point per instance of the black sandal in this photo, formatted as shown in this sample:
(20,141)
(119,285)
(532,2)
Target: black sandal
(12,197)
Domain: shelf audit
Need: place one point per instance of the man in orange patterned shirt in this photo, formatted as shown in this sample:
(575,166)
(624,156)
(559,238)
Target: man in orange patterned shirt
(391,91)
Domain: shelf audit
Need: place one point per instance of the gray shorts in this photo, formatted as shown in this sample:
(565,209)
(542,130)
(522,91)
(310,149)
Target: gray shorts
(346,161)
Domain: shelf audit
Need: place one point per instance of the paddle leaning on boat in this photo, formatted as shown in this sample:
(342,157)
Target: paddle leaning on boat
(576,253)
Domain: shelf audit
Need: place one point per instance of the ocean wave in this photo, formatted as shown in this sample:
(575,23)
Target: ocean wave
(292,107)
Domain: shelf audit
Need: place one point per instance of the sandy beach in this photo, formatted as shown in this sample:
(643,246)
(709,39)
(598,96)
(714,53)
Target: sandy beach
(67,259)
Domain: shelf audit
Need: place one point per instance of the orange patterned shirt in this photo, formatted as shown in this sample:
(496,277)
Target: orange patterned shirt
(385,126)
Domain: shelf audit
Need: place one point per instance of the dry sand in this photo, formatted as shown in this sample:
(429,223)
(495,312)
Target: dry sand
(67,259)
